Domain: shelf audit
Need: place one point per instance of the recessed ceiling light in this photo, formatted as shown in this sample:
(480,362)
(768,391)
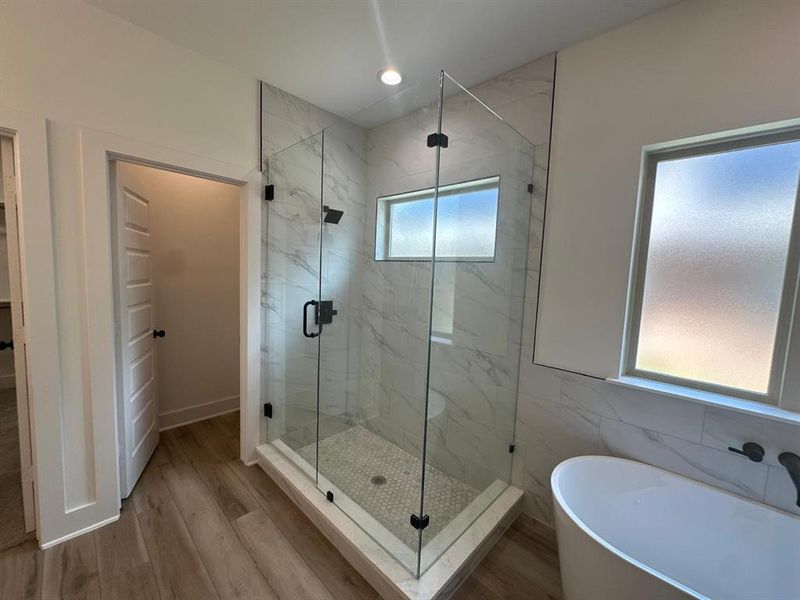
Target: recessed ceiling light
(390,76)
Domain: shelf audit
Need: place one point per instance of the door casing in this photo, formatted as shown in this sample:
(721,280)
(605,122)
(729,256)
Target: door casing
(10,196)
(98,150)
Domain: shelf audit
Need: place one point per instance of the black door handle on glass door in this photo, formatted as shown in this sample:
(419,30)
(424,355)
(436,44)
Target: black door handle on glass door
(305,319)
(157,333)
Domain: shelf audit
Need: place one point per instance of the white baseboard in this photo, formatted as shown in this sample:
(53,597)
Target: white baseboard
(200,412)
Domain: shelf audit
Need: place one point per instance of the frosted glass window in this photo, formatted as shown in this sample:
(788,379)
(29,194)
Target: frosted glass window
(410,228)
(466,224)
(711,302)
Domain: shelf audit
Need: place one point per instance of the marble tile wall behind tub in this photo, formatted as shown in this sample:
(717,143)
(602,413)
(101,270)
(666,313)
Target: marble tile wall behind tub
(562,415)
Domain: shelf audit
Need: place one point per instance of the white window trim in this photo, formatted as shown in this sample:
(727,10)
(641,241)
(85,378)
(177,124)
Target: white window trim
(782,400)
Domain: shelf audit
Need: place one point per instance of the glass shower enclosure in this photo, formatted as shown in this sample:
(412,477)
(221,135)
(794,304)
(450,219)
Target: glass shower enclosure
(394,273)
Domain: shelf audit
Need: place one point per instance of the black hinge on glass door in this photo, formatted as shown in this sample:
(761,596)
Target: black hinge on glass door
(325,313)
(420,522)
(437,139)
(268,409)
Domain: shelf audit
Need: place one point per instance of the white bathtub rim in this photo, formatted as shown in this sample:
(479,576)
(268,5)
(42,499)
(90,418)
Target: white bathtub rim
(562,505)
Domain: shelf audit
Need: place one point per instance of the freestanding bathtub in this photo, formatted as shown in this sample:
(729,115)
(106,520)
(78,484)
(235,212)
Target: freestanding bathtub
(629,531)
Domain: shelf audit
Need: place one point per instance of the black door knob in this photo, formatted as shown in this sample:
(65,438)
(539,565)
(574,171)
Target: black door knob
(9,345)
(157,333)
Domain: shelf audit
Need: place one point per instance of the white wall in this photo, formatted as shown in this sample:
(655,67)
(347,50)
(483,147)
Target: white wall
(702,66)
(195,247)
(77,66)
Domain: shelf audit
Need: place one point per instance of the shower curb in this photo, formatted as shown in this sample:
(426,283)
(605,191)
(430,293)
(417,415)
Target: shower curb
(374,563)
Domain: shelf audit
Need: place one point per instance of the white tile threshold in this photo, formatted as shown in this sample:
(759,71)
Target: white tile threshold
(390,578)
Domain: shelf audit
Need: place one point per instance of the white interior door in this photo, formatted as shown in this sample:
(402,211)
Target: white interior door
(8,171)
(138,385)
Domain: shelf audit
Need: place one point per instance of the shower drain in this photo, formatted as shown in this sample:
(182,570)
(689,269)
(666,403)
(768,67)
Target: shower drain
(378,480)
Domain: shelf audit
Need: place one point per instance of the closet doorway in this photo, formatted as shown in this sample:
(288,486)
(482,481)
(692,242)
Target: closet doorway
(17,505)
(176,245)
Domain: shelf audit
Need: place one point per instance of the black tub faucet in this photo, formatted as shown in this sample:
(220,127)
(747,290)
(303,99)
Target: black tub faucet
(792,463)
(751,450)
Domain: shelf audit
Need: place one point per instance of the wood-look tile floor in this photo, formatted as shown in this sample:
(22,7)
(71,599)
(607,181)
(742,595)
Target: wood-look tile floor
(200,525)
(12,519)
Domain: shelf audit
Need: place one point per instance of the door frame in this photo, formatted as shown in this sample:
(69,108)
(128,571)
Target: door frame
(37,262)
(99,150)
(14,258)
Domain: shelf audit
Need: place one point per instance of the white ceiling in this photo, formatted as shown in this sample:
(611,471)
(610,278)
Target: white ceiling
(329,51)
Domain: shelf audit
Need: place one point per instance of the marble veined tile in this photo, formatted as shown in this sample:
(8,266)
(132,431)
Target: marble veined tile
(720,469)
(671,416)
(724,428)
(781,492)
(531,79)
(386,304)
(295,110)
(542,382)
(548,433)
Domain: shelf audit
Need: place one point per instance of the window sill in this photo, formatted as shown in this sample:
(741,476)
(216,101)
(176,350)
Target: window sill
(748,407)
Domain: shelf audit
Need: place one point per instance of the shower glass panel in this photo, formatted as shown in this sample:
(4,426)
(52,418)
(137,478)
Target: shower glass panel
(291,253)
(373,352)
(478,294)
(393,295)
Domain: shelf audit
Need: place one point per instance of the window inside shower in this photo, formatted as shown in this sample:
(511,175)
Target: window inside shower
(466,223)
(392,336)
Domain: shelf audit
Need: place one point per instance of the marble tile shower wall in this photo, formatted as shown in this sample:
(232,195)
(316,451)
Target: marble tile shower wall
(559,414)
(289,247)
(474,377)
(292,154)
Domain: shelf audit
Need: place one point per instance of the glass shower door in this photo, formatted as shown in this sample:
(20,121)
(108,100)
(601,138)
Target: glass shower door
(290,291)
(373,348)
(396,267)
(483,210)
